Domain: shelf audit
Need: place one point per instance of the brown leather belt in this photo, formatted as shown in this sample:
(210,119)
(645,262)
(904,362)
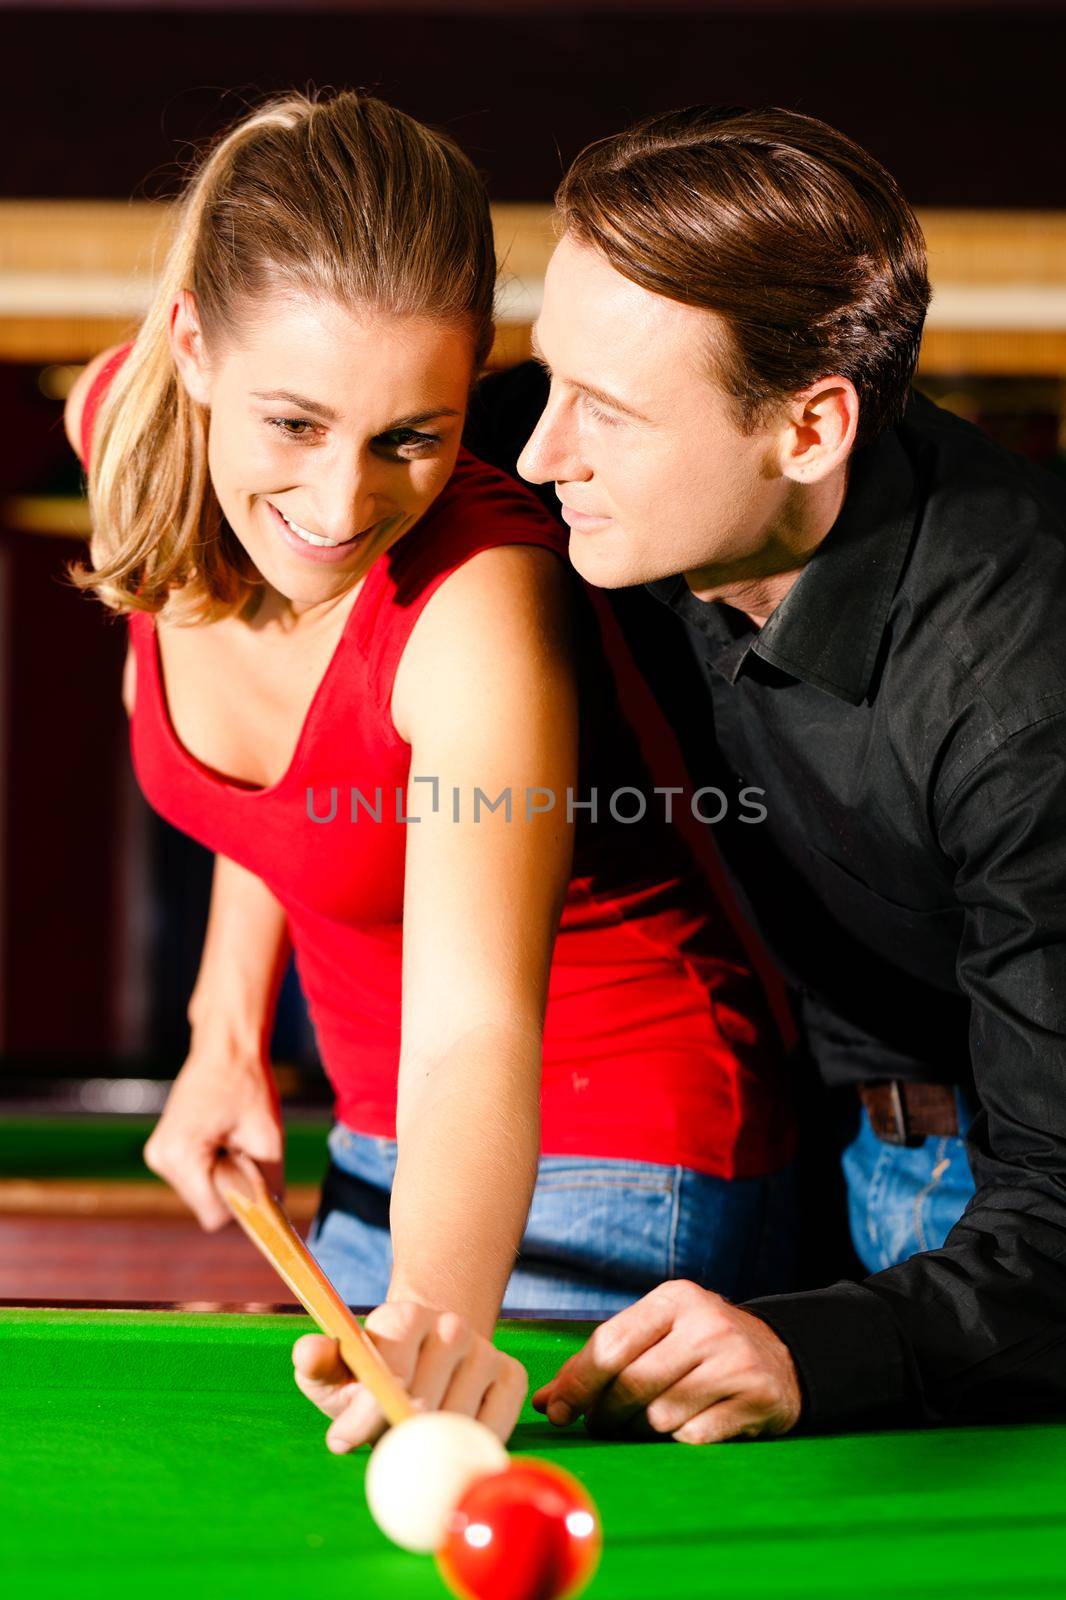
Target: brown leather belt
(906,1113)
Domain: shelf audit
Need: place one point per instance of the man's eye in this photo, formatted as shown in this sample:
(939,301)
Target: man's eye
(601,416)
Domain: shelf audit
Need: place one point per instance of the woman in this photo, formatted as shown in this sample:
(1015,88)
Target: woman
(343,629)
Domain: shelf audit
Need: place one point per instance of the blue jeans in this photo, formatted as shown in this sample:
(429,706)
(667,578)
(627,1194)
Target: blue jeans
(904,1200)
(600,1234)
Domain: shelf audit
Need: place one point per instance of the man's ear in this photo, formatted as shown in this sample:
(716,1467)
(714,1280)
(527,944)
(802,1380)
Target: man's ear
(187,347)
(819,430)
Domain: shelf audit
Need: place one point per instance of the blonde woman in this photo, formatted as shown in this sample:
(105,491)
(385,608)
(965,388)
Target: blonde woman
(342,629)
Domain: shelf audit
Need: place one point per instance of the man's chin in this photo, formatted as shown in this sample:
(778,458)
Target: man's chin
(602,567)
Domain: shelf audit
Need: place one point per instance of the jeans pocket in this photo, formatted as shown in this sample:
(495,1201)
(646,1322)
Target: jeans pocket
(872,1216)
(939,1204)
(608,1222)
(901,1199)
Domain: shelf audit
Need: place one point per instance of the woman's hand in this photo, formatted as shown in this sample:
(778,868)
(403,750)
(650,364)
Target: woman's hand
(217,1100)
(225,1096)
(439,1358)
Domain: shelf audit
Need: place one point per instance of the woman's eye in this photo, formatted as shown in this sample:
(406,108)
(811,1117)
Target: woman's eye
(293,427)
(410,440)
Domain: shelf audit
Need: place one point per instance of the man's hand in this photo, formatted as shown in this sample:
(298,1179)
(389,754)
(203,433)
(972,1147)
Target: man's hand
(442,1362)
(682,1362)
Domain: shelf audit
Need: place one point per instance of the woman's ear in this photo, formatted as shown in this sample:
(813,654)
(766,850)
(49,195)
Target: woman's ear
(187,347)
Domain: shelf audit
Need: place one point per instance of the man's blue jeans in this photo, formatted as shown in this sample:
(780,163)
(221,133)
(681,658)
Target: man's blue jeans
(904,1200)
(601,1233)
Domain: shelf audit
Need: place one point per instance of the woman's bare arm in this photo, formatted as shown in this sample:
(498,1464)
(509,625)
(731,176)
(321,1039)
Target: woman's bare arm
(486,696)
(225,1092)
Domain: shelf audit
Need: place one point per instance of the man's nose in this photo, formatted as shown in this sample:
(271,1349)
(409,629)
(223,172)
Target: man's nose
(549,456)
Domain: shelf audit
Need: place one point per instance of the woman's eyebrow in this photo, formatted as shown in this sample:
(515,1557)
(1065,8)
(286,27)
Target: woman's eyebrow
(422,416)
(300,400)
(329,415)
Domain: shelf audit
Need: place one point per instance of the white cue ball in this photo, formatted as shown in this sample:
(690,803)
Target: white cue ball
(420,1470)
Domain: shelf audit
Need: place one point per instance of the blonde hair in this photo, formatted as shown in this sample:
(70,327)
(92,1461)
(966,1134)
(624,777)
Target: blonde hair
(343,198)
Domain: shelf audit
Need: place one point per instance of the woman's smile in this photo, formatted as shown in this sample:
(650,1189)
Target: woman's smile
(315,546)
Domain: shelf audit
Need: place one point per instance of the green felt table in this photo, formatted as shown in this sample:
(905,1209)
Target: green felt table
(96,1148)
(170,1454)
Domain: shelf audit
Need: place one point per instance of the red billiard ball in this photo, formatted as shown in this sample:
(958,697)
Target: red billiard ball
(530,1532)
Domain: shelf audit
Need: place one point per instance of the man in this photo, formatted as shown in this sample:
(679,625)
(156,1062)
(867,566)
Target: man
(872,595)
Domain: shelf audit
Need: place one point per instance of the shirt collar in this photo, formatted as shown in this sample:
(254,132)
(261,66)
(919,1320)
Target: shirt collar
(829,626)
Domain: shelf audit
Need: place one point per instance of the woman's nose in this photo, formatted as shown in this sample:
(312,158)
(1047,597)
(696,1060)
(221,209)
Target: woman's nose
(349,502)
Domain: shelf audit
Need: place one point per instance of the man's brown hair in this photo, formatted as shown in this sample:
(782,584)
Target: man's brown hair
(781,225)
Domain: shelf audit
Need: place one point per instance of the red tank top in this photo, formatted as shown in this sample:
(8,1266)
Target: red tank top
(658,1042)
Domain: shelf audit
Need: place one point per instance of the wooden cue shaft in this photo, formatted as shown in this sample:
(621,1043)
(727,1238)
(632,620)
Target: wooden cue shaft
(243,1188)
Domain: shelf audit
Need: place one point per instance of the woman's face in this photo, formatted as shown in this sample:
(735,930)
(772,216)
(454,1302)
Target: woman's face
(330,433)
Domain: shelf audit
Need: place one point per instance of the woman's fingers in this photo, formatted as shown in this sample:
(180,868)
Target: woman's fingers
(443,1353)
(317,1358)
(186,1164)
(359,1423)
(472,1379)
(321,1375)
(215,1104)
(503,1399)
(460,1370)
(399,1329)
(442,1361)
(258,1135)
(324,1379)
(439,1357)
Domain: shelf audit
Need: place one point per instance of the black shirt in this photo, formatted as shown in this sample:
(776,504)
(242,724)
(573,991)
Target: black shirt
(904,710)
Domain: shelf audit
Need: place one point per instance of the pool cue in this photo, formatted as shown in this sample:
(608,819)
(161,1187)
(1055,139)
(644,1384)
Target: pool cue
(243,1187)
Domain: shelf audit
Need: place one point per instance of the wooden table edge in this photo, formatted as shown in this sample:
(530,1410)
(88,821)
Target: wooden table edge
(134,1200)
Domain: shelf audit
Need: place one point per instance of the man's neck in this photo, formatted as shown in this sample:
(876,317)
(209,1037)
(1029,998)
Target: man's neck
(758,585)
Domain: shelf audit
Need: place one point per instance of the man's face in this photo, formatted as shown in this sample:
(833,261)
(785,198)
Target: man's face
(654,475)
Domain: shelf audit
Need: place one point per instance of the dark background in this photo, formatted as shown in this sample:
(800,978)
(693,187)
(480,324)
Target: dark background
(962,102)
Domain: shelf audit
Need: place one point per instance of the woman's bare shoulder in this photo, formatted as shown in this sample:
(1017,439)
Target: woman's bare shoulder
(506,603)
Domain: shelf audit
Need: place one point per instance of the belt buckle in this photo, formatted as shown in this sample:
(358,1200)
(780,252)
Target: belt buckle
(900,1132)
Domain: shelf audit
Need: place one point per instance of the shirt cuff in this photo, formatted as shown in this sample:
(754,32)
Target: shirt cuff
(848,1354)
